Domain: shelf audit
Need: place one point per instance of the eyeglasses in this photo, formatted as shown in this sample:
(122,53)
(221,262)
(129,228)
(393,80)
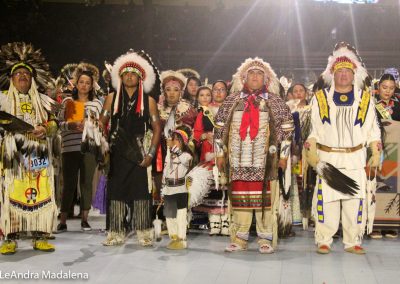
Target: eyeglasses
(222,90)
(20,73)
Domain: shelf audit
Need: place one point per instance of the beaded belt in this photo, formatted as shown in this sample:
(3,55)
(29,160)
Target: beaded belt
(174,182)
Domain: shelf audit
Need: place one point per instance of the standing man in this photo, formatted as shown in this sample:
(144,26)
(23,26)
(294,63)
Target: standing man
(251,125)
(27,176)
(343,122)
(134,137)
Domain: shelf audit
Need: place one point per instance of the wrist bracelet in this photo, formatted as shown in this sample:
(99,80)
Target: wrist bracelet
(105,113)
(152,151)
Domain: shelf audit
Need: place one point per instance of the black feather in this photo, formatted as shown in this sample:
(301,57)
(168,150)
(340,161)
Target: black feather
(281,178)
(337,180)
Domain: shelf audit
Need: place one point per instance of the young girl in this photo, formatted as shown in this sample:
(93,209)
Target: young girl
(174,191)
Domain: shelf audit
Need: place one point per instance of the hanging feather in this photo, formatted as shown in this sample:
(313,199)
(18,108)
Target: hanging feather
(170,125)
(305,122)
(284,210)
(284,217)
(336,179)
(297,128)
(49,104)
(199,181)
(216,176)
(19,140)
(284,188)
(371,203)
(31,147)
(10,151)
(24,148)
(93,140)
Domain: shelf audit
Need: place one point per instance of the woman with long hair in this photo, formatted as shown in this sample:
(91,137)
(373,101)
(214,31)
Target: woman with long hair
(82,104)
(190,91)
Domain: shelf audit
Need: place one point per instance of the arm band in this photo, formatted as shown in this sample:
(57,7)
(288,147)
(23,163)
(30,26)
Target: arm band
(155,118)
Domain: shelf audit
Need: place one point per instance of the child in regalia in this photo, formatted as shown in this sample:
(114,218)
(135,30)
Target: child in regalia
(174,191)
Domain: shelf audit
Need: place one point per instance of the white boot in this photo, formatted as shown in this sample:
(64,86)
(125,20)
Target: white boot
(181,217)
(225,225)
(172,228)
(215,224)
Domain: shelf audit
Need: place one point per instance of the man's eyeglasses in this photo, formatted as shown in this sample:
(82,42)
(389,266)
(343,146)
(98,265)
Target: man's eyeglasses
(222,90)
(20,73)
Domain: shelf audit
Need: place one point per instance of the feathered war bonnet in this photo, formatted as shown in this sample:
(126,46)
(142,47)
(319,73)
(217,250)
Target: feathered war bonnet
(344,56)
(271,81)
(142,65)
(20,54)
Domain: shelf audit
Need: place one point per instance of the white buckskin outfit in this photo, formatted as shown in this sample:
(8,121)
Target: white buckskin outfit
(342,126)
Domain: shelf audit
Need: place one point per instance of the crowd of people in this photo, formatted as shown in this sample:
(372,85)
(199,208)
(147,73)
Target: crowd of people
(227,151)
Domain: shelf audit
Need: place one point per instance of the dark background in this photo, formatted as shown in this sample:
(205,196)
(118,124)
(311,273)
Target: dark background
(296,37)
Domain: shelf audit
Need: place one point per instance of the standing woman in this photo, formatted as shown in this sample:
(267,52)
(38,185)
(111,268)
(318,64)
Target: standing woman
(204,124)
(192,85)
(387,105)
(175,110)
(75,163)
(216,201)
(304,176)
(388,108)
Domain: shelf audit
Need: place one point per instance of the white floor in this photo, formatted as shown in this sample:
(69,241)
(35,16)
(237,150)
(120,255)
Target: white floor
(204,262)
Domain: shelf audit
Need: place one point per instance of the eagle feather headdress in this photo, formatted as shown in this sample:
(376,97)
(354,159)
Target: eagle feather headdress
(270,79)
(141,64)
(344,56)
(16,55)
(23,54)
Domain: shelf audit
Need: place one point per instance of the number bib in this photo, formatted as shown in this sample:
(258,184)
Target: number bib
(34,163)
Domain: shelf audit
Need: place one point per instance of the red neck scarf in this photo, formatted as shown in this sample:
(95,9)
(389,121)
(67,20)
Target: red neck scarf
(251,115)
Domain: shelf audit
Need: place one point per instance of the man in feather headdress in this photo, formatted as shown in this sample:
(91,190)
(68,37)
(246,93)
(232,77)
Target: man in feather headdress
(251,125)
(134,136)
(343,122)
(27,183)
